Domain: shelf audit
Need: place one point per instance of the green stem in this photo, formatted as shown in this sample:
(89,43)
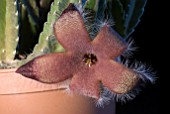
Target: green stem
(2,28)
(9,38)
(47,41)
(92,5)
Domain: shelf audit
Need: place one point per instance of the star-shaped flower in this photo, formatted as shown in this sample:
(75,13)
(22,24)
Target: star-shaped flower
(87,63)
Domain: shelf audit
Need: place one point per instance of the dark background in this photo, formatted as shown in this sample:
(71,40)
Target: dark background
(150,40)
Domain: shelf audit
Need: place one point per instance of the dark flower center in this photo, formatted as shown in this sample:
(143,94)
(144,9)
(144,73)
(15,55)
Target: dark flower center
(89,59)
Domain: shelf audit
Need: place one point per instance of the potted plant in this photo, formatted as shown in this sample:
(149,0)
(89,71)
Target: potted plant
(93,17)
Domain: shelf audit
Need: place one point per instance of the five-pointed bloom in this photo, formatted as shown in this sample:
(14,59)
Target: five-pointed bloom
(87,63)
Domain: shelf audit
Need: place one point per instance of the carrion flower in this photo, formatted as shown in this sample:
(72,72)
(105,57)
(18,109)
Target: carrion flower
(87,63)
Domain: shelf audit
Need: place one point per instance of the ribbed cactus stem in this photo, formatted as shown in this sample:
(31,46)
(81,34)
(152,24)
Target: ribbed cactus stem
(47,41)
(11,31)
(9,39)
(135,10)
(2,28)
(92,4)
(32,10)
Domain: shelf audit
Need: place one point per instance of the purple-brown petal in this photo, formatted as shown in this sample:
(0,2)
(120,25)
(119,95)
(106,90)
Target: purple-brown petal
(85,83)
(27,70)
(108,44)
(49,68)
(116,77)
(70,31)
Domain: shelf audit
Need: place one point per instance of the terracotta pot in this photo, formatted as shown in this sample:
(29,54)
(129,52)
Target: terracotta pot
(20,95)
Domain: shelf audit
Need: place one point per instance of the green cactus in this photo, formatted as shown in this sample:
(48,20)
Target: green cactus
(26,26)
(47,41)
(134,10)
(92,4)
(32,18)
(32,9)
(8,31)
(126,14)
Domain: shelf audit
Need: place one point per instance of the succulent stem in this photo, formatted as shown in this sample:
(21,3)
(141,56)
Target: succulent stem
(9,31)
(47,41)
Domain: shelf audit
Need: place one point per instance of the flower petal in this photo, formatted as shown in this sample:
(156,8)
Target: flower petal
(70,30)
(49,68)
(108,43)
(116,77)
(85,83)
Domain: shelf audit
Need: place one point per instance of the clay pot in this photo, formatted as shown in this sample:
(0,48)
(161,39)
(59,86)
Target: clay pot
(20,95)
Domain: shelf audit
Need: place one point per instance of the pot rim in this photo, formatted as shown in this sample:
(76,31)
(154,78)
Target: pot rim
(14,83)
